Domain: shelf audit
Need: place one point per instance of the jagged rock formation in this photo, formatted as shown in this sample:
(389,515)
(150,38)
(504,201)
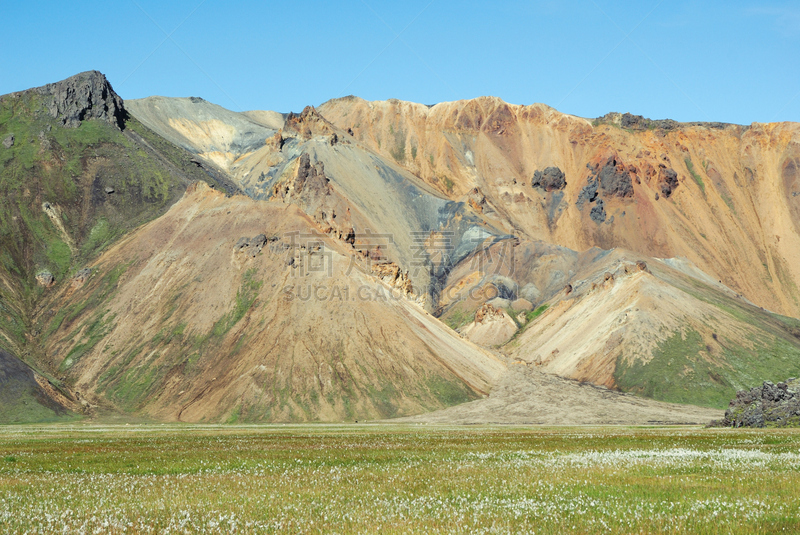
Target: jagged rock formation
(614,178)
(637,122)
(85,96)
(770,405)
(310,123)
(667,180)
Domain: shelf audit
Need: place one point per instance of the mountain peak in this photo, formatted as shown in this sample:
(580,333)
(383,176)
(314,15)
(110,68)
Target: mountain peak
(87,95)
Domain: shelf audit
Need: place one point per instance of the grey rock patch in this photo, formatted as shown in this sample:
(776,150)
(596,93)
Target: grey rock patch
(45,278)
(598,213)
(587,194)
(770,405)
(530,292)
(552,178)
(499,302)
(87,95)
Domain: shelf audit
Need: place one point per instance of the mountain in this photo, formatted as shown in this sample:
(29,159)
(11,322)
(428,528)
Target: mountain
(372,260)
(76,173)
(726,197)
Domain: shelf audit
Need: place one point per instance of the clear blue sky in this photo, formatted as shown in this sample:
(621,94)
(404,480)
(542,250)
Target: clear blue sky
(733,61)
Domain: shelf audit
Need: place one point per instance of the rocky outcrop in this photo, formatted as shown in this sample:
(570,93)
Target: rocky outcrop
(598,212)
(667,180)
(391,274)
(588,193)
(313,175)
(552,178)
(276,141)
(251,246)
(487,313)
(87,95)
(614,178)
(81,277)
(45,278)
(308,124)
(477,200)
(637,122)
(770,405)
(609,179)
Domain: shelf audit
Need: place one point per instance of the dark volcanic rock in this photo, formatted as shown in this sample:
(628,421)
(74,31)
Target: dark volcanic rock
(252,246)
(8,142)
(242,244)
(588,193)
(256,244)
(550,179)
(667,180)
(598,213)
(771,405)
(637,122)
(615,179)
(612,178)
(87,95)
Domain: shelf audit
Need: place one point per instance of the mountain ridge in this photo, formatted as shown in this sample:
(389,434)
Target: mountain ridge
(381,259)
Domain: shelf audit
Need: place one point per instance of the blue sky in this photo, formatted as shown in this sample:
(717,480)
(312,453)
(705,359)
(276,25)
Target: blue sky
(732,61)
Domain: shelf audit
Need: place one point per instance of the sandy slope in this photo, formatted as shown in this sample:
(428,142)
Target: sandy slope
(527,396)
(194,330)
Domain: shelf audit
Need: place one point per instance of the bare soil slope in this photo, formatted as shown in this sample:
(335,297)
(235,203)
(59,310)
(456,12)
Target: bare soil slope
(184,322)
(525,395)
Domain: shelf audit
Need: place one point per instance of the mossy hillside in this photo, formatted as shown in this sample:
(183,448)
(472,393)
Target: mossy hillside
(685,368)
(22,399)
(100,182)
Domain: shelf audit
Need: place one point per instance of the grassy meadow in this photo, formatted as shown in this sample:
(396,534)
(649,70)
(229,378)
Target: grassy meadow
(420,479)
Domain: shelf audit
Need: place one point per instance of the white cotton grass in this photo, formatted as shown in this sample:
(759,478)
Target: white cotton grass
(342,480)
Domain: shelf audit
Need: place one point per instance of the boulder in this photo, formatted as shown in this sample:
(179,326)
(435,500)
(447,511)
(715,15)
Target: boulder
(8,142)
(598,213)
(667,180)
(552,178)
(256,244)
(770,405)
(45,278)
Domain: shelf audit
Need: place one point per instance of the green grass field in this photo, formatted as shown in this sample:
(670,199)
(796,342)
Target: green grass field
(419,479)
